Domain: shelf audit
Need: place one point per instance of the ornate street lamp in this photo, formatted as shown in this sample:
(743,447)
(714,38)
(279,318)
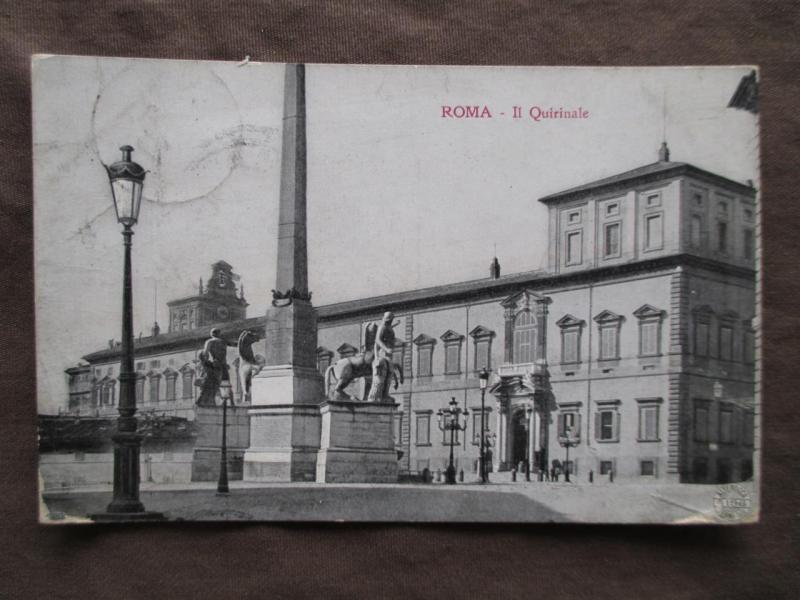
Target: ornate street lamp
(567,441)
(126,178)
(483,379)
(449,420)
(226,393)
(528,413)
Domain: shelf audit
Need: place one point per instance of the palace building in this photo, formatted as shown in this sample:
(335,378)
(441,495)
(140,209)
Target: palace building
(635,346)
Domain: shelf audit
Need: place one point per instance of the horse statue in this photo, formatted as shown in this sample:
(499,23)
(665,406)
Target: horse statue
(342,373)
(249,364)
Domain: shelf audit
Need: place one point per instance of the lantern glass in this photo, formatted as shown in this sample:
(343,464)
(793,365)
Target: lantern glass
(225,390)
(127,199)
(483,378)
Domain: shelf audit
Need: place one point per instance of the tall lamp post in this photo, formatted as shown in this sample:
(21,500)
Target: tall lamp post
(225,393)
(567,441)
(449,420)
(528,413)
(483,379)
(126,178)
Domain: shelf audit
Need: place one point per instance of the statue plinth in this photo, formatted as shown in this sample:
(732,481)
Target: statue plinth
(206,455)
(285,399)
(357,443)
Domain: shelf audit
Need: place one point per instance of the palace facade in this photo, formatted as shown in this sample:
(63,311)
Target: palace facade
(635,347)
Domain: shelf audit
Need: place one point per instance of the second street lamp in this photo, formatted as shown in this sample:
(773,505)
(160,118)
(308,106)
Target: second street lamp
(449,420)
(483,379)
(225,394)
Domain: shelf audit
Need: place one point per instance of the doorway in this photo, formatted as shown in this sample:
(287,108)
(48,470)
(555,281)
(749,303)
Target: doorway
(519,438)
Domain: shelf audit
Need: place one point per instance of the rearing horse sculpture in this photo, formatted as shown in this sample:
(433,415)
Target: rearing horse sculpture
(249,364)
(345,370)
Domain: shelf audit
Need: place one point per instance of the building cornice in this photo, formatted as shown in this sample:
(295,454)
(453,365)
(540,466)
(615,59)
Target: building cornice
(656,172)
(475,290)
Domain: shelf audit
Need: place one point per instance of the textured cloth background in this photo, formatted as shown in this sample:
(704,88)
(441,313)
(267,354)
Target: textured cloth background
(376,561)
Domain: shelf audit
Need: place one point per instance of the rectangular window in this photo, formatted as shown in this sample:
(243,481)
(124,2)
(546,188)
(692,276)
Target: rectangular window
(701,338)
(647,468)
(607,426)
(569,424)
(446,435)
(725,343)
(171,388)
(701,424)
(725,425)
(611,244)
(187,385)
(423,430)
(700,470)
(574,217)
(749,347)
(612,208)
(654,238)
(749,246)
(424,357)
(154,389)
(140,390)
(696,231)
(570,349)
(452,358)
(608,342)
(648,423)
(482,356)
(476,426)
(648,338)
(653,200)
(574,254)
(722,237)
(606,466)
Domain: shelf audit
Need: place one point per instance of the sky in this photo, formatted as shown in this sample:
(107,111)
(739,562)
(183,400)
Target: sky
(399,197)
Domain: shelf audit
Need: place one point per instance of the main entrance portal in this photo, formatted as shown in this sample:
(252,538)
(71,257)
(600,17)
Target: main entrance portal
(519,439)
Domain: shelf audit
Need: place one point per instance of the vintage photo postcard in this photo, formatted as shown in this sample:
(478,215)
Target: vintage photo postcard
(390,293)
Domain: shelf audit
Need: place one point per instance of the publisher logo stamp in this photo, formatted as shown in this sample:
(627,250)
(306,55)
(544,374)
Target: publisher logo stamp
(733,502)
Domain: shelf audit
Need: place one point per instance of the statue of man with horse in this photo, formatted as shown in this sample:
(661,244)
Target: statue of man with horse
(214,367)
(374,364)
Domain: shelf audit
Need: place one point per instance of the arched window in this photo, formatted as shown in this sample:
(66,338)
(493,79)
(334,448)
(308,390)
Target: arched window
(524,338)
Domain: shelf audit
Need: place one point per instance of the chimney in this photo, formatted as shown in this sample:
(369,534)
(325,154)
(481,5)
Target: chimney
(494,269)
(201,286)
(663,153)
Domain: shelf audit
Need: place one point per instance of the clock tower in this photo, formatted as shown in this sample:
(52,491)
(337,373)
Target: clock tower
(219,302)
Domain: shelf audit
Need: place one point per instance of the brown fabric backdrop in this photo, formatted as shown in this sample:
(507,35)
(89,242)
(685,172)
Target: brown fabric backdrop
(360,561)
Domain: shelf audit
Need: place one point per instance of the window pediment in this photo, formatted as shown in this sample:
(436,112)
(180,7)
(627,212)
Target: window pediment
(729,315)
(608,317)
(170,372)
(424,340)
(647,311)
(187,368)
(323,351)
(153,373)
(451,337)
(481,332)
(570,321)
(524,299)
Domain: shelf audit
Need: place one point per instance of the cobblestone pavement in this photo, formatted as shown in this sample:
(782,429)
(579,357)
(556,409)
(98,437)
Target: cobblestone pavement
(468,502)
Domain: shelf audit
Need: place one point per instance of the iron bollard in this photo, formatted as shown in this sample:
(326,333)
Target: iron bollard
(611,476)
(591,476)
(461,475)
(438,475)
(513,474)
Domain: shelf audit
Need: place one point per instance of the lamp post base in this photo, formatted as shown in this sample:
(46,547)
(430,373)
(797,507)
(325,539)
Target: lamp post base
(450,475)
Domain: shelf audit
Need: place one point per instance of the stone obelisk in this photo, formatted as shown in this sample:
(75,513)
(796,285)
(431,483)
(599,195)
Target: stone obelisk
(286,394)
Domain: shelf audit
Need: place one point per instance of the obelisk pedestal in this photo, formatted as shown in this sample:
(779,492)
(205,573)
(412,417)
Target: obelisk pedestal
(286,394)
(357,443)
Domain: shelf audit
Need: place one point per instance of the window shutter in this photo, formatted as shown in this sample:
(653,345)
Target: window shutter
(616,425)
(561,423)
(597,425)
(576,428)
